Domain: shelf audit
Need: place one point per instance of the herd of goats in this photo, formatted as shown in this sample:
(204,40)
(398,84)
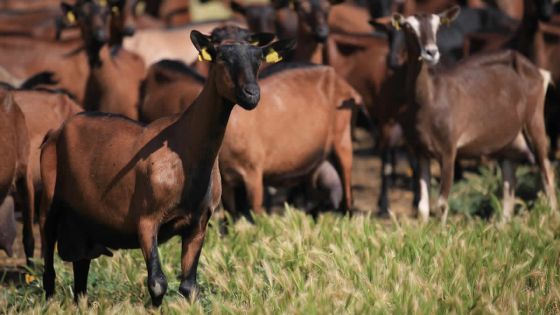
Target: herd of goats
(125,132)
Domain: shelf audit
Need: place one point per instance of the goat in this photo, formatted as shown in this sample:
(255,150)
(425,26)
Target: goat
(448,113)
(110,182)
(280,156)
(15,172)
(169,88)
(103,92)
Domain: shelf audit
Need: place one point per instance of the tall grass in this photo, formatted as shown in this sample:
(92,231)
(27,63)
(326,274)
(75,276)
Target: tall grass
(292,264)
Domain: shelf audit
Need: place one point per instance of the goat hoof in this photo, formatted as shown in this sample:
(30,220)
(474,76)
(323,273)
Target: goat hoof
(189,289)
(157,286)
(156,301)
(48,285)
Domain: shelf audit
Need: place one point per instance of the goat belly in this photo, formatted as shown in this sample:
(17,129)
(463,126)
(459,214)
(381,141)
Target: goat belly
(74,244)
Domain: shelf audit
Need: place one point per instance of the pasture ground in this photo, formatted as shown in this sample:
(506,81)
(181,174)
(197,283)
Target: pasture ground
(289,263)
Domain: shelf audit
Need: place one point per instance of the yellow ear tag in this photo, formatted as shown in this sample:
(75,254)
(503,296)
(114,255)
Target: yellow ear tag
(29,278)
(204,55)
(255,43)
(140,8)
(70,17)
(445,21)
(115,10)
(396,25)
(273,56)
(103,3)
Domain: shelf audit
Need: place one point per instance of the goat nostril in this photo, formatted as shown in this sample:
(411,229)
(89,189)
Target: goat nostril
(431,52)
(101,35)
(251,90)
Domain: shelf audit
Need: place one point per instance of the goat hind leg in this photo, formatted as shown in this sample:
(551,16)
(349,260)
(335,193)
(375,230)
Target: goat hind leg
(81,270)
(343,155)
(49,273)
(537,134)
(27,200)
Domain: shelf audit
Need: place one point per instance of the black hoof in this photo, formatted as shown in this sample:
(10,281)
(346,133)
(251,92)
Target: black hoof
(48,283)
(189,290)
(157,286)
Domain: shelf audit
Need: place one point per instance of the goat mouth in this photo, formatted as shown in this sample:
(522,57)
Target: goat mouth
(429,59)
(248,101)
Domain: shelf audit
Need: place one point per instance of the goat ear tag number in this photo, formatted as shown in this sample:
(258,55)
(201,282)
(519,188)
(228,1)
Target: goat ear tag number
(204,55)
(70,17)
(273,56)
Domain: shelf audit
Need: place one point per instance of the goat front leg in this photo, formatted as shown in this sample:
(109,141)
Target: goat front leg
(508,177)
(447,167)
(157,283)
(192,243)
(424,179)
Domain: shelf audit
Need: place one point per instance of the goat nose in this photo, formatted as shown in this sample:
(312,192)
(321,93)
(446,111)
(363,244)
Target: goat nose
(251,89)
(100,35)
(128,30)
(432,52)
(322,32)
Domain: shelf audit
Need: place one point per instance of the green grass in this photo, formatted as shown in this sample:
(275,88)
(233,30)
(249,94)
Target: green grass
(291,264)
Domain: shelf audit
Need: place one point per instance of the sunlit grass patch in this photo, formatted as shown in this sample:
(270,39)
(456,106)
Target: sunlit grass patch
(292,264)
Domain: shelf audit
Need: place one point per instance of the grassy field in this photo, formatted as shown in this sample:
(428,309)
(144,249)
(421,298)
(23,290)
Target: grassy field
(290,264)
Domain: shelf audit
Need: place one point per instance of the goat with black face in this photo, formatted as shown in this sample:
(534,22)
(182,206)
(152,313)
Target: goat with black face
(127,185)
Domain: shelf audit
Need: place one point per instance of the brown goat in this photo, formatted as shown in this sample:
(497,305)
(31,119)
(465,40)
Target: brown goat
(111,182)
(14,170)
(7,225)
(169,88)
(43,111)
(296,133)
(103,92)
(492,105)
(24,57)
(106,93)
(154,45)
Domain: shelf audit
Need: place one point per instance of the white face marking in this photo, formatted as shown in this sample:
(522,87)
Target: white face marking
(433,57)
(435,20)
(414,23)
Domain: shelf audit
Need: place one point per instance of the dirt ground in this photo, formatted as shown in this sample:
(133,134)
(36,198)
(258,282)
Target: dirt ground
(365,183)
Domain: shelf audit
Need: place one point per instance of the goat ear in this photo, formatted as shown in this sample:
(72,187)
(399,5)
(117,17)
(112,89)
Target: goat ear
(449,15)
(203,44)
(380,25)
(275,52)
(237,7)
(397,20)
(261,39)
(68,11)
